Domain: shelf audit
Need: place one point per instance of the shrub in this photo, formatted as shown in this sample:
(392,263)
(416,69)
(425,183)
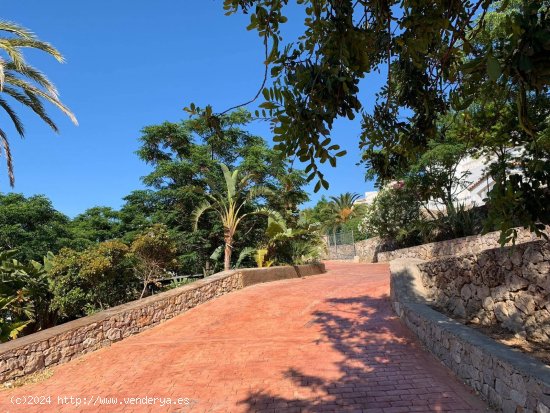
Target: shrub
(92,280)
(458,222)
(155,254)
(394,215)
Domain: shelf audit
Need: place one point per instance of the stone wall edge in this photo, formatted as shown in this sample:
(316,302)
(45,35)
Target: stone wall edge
(68,341)
(525,383)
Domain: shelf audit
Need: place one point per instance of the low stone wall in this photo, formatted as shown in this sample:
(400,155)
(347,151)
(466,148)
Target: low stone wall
(507,286)
(70,340)
(509,380)
(340,252)
(368,250)
(362,251)
(458,246)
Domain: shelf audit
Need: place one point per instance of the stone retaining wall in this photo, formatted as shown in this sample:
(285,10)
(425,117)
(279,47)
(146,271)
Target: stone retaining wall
(509,380)
(507,286)
(362,251)
(67,341)
(368,250)
(340,252)
(467,245)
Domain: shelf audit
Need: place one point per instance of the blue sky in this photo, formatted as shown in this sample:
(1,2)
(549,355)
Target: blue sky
(132,63)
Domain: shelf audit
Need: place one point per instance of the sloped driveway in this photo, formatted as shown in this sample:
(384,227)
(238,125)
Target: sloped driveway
(326,343)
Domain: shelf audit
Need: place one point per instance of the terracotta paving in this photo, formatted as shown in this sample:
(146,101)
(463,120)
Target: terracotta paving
(326,343)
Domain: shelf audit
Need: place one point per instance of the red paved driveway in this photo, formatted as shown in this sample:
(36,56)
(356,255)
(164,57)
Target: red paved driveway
(327,343)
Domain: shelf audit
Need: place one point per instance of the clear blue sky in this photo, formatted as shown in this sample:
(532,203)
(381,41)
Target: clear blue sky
(132,63)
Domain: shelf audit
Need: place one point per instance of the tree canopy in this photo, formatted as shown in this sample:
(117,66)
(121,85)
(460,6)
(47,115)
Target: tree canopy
(441,59)
(32,226)
(185,158)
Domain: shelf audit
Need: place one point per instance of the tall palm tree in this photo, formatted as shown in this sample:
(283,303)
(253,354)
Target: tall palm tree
(344,208)
(229,206)
(23,83)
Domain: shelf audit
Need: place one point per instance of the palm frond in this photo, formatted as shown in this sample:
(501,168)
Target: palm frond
(24,83)
(32,102)
(262,211)
(346,200)
(245,253)
(35,75)
(245,180)
(10,27)
(38,108)
(2,73)
(7,151)
(52,98)
(230,180)
(13,116)
(258,191)
(13,52)
(197,213)
(39,45)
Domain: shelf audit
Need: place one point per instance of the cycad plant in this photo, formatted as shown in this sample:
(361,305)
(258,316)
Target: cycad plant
(230,205)
(23,83)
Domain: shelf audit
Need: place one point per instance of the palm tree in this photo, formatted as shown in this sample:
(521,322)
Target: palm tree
(23,83)
(344,208)
(229,206)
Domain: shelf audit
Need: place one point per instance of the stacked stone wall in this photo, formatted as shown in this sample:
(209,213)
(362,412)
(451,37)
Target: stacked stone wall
(509,287)
(508,379)
(70,340)
(458,246)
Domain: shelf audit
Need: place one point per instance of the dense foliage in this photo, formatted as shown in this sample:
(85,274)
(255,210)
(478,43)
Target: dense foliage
(32,227)
(24,296)
(462,77)
(105,257)
(99,277)
(341,213)
(186,157)
(393,215)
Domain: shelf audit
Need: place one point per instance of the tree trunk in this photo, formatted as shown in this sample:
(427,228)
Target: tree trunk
(450,201)
(145,284)
(228,251)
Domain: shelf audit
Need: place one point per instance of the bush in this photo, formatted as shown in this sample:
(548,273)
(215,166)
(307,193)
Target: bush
(394,216)
(458,222)
(92,280)
(155,254)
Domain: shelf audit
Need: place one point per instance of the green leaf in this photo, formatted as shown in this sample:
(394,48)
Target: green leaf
(268,105)
(317,186)
(493,68)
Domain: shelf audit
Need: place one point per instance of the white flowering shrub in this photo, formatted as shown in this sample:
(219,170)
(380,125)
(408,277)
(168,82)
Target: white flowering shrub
(393,214)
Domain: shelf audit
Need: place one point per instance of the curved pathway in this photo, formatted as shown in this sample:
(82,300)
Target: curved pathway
(326,343)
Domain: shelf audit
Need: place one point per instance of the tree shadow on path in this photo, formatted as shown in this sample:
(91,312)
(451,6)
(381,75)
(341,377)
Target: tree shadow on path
(380,367)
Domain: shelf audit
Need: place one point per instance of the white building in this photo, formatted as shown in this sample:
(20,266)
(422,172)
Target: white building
(368,199)
(476,184)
